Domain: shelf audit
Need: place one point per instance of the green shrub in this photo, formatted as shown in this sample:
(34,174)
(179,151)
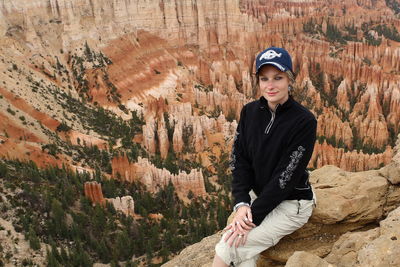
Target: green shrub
(63,127)
(9,110)
(3,170)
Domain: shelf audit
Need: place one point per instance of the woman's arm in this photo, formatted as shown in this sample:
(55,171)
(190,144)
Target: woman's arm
(240,164)
(289,170)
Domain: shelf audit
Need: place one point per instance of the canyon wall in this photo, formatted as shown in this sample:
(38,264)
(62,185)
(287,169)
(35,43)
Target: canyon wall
(193,61)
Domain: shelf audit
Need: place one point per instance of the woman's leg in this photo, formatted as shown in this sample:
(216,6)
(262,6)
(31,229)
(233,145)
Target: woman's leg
(218,262)
(286,218)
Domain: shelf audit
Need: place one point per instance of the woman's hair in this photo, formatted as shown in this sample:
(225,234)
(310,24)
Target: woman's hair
(256,83)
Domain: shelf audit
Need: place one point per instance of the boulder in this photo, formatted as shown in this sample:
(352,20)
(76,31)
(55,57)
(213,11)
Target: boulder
(384,250)
(348,197)
(305,259)
(200,254)
(375,248)
(345,250)
(392,170)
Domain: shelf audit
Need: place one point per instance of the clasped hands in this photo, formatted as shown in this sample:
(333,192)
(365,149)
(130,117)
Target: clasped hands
(240,227)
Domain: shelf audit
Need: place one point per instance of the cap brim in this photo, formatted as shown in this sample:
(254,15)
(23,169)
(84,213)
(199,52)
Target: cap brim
(279,66)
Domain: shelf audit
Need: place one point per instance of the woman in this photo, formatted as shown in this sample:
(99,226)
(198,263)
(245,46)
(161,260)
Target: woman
(273,144)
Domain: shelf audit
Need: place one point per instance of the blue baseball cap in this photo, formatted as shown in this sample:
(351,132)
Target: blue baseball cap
(275,56)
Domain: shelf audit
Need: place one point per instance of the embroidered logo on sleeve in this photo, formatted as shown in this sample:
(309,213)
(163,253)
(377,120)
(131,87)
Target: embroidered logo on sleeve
(233,156)
(286,175)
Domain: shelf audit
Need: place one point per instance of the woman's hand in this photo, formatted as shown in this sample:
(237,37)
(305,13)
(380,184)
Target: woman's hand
(242,220)
(240,226)
(238,238)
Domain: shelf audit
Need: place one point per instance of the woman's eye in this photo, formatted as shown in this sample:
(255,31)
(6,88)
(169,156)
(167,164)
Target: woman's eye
(264,79)
(278,78)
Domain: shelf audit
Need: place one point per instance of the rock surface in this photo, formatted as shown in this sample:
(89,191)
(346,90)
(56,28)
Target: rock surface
(348,197)
(200,254)
(305,259)
(376,247)
(17,247)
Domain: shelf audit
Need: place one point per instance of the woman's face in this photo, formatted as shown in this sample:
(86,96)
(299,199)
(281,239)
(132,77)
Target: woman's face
(274,85)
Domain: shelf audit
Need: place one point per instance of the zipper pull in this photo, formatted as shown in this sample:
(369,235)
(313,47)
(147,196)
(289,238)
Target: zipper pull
(270,122)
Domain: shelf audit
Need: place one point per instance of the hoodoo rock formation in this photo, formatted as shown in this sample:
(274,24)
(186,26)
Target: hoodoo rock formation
(124,204)
(94,193)
(189,132)
(325,154)
(154,178)
(342,229)
(198,53)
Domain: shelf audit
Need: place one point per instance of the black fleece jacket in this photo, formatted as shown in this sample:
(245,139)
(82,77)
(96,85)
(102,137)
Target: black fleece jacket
(270,154)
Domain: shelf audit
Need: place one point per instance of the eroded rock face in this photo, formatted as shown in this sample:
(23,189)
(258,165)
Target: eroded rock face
(348,197)
(384,250)
(189,133)
(94,193)
(200,254)
(392,171)
(325,154)
(183,182)
(153,177)
(345,250)
(124,204)
(197,53)
(305,259)
(376,247)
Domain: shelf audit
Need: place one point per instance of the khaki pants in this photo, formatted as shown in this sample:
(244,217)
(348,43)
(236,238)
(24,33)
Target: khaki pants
(286,218)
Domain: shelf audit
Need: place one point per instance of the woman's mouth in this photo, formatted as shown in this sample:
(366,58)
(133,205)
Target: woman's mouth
(272,93)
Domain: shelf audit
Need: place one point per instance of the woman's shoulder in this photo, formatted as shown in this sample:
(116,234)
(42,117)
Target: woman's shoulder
(302,111)
(253,103)
(251,106)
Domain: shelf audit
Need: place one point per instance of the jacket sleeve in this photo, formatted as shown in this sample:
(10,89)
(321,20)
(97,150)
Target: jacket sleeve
(240,164)
(289,170)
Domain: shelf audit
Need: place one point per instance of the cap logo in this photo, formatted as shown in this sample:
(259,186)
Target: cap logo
(270,54)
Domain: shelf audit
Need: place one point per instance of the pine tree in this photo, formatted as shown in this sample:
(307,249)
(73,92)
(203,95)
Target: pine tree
(123,246)
(3,169)
(64,255)
(58,219)
(221,219)
(51,259)
(34,242)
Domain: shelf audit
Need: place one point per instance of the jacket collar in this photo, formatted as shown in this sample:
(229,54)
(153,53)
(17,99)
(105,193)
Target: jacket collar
(263,104)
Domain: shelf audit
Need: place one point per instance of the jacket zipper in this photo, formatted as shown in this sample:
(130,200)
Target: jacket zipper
(271,122)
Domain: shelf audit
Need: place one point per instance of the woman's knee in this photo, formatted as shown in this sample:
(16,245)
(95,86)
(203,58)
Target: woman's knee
(223,251)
